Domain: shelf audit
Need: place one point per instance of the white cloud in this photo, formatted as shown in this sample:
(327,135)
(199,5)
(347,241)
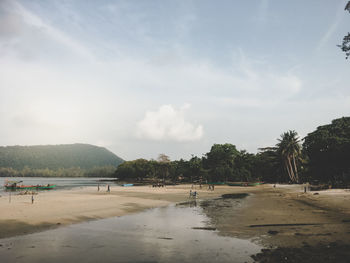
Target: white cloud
(168,124)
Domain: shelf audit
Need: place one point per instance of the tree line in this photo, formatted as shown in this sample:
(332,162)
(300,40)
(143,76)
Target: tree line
(322,156)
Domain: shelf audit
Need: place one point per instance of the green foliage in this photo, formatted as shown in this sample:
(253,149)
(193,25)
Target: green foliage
(57,156)
(139,169)
(325,157)
(57,160)
(345,46)
(180,171)
(220,162)
(163,165)
(221,154)
(282,162)
(245,167)
(223,163)
(328,151)
(269,166)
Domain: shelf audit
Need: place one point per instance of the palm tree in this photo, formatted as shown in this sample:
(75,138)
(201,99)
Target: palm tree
(290,150)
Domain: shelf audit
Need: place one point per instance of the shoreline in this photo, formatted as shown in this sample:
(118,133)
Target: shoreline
(64,207)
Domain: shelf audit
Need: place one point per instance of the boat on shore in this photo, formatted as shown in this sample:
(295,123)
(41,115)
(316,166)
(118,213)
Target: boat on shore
(18,185)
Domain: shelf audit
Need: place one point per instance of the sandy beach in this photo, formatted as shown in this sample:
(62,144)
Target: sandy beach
(56,208)
(275,217)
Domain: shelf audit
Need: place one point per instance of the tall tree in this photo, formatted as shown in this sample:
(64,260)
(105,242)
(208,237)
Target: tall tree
(195,167)
(269,165)
(245,164)
(290,150)
(328,151)
(220,162)
(164,163)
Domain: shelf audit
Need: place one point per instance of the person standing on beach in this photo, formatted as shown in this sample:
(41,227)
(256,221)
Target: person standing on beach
(98,187)
(108,188)
(32,198)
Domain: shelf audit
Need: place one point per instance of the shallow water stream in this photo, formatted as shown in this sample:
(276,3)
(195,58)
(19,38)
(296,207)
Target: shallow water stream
(177,233)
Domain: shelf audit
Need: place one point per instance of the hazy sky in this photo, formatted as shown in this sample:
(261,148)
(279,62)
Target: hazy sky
(174,77)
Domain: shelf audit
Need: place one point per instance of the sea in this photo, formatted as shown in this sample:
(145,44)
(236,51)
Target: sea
(60,182)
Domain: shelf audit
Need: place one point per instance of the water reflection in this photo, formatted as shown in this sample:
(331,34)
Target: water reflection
(170,234)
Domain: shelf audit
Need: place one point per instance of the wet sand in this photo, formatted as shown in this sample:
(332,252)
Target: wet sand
(285,216)
(175,233)
(292,225)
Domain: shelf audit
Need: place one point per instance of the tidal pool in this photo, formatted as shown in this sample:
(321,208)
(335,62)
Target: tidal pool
(177,233)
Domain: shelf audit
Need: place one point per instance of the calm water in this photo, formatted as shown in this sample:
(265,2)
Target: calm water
(62,183)
(156,235)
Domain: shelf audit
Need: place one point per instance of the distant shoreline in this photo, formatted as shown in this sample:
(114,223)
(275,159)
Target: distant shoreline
(55,176)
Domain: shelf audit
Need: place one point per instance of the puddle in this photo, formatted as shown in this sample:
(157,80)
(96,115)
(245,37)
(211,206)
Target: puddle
(235,196)
(205,228)
(169,234)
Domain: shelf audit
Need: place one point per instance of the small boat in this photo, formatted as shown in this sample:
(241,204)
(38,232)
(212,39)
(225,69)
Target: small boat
(17,185)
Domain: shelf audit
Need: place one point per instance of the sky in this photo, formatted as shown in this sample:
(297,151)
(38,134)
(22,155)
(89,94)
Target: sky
(170,76)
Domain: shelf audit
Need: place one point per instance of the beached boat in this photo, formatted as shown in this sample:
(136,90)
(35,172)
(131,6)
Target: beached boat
(17,185)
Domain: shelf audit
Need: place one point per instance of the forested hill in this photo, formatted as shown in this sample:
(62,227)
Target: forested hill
(55,157)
